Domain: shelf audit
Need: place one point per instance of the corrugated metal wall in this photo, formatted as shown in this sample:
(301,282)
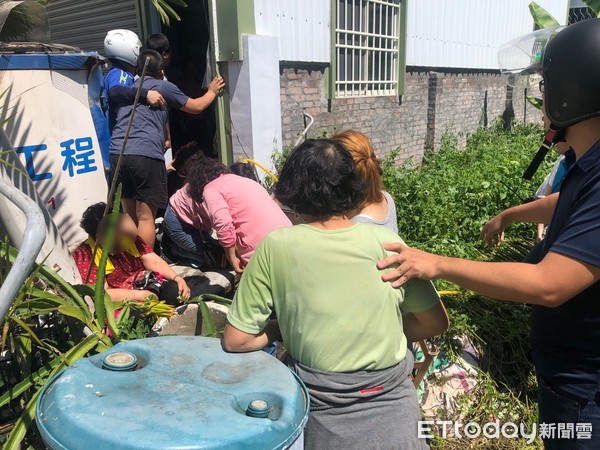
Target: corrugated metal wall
(467,33)
(302,26)
(84,23)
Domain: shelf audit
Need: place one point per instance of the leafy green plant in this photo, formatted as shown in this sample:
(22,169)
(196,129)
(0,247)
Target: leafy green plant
(21,19)
(594,5)
(278,159)
(441,207)
(34,329)
(50,326)
(46,294)
(207,319)
(541,17)
(443,204)
(166,11)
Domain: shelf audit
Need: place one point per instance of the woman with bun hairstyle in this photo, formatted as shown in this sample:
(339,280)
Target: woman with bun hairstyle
(378,207)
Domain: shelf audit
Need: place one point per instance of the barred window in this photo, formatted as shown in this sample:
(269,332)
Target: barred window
(367,46)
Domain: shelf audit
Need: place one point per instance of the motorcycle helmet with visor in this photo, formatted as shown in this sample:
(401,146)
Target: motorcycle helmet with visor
(523,57)
(566,60)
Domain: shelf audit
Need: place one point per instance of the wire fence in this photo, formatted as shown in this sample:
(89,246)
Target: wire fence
(580,13)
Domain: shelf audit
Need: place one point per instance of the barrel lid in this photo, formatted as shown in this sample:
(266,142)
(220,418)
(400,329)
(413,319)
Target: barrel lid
(181,392)
(120,361)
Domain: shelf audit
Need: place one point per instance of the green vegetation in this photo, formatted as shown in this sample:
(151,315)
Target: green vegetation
(165,10)
(49,327)
(444,203)
(442,206)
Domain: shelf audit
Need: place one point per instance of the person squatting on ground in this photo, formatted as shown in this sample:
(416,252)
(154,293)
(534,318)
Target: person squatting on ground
(240,210)
(143,172)
(177,170)
(560,278)
(133,270)
(343,328)
(378,207)
(245,170)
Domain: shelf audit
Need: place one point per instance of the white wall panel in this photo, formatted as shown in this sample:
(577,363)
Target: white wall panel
(255,100)
(301,26)
(467,33)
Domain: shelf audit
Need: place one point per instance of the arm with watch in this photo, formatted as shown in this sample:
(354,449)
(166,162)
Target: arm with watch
(155,263)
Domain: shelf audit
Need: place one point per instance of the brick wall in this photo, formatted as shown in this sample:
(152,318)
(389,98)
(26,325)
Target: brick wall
(433,103)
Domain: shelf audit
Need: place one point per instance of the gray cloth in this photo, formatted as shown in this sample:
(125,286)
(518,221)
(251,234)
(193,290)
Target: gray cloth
(375,409)
(147,135)
(390,221)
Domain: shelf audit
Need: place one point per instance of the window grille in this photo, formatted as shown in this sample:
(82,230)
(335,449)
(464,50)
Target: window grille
(367,46)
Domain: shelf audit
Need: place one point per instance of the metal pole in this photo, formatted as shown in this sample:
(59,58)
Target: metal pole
(311,120)
(33,240)
(113,185)
(525,101)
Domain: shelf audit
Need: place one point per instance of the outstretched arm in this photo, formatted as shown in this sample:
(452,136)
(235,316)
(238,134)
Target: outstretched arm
(155,263)
(538,211)
(552,282)
(197,105)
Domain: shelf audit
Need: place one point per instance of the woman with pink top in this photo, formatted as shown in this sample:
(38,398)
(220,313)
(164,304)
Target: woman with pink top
(240,210)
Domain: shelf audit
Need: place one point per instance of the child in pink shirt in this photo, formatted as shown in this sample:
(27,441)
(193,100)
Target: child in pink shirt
(240,210)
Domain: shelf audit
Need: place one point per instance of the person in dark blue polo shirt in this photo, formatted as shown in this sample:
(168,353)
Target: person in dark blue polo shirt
(561,276)
(122,48)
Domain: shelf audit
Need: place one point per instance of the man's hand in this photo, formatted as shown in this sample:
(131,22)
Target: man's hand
(217,85)
(154,99)
(407,264)
(492,232)
(183,288)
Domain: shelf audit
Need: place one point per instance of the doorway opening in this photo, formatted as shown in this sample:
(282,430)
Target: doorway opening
(190,70)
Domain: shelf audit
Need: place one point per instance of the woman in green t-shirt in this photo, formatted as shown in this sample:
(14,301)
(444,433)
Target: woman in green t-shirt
(343,327)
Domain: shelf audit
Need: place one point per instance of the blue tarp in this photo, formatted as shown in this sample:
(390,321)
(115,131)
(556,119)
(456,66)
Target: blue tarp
(46,61)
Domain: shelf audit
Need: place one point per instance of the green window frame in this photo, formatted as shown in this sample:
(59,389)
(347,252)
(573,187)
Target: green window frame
(368,48)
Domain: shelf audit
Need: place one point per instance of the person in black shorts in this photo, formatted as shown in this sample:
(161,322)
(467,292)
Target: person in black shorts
(143,172)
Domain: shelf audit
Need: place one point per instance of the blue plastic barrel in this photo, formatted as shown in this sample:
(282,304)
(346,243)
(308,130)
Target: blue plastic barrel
(173,392)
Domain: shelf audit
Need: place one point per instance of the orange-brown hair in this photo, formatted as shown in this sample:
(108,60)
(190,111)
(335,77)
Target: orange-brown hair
(367,164)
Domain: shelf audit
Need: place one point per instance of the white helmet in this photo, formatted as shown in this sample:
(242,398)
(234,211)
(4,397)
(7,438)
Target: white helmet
(122,45)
